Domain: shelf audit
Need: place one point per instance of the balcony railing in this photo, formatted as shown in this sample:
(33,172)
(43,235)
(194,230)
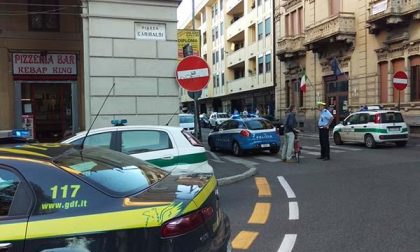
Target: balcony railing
(230,4)
(236,57)
(339,28)
(237,85)
(291,46)
(383,13)
(235,28)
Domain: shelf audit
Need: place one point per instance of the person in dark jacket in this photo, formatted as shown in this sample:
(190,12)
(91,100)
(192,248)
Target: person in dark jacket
(290,125)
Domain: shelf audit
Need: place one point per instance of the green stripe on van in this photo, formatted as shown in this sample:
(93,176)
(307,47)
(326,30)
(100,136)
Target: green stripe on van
(183,159)
(371,130)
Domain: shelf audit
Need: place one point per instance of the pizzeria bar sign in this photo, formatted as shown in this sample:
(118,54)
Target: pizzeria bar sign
(44,64)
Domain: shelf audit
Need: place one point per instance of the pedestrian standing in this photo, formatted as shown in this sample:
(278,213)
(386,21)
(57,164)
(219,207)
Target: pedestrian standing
(290,125)
(325,119)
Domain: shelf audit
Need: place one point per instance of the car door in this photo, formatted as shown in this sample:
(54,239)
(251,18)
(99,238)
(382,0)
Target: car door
(220,135)
(16,202)
(155,146)
(361,127)
(348,128)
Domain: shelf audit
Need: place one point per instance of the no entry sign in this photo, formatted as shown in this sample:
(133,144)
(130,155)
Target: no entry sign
(400,80)
(193,73)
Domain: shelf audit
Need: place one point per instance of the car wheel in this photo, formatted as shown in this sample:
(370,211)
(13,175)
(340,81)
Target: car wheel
(370,141)
(237,151)
(401,144)
(337,139)
(275,150)
(211,144)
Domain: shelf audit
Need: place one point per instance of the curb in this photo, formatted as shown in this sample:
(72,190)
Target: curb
(232,179)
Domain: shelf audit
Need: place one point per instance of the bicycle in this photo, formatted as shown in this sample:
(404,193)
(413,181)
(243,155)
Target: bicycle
(297,147)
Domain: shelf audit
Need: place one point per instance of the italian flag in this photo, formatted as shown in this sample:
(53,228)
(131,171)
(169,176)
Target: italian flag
(303,81)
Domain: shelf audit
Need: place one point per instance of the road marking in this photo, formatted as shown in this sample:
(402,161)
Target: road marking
(264,189)
(217,161)
(240,161)
(268,159)
(214,155)
(293,210)
(288,243)
(260,214)
(244,239)
(342,148)
(318,148)
(310,152)
(286,187)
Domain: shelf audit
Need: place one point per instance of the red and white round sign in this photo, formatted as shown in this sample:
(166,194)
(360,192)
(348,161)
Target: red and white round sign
(193,73)
(400,80)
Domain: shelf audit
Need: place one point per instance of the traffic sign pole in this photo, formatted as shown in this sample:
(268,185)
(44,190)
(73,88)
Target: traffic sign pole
(193,74)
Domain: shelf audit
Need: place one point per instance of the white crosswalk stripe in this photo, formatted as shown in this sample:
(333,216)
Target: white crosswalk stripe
(319,149)
(342,148)
(239,160)
(268,158)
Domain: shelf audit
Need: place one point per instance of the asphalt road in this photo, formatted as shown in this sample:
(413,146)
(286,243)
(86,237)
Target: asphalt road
(361,200)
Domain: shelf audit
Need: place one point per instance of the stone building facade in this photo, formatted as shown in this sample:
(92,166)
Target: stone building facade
(367,40)
(60,58)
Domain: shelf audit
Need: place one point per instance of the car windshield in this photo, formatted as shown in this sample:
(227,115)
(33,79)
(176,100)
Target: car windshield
(186,119)
(391,117)
(258,124)
(115,173)
(222,116)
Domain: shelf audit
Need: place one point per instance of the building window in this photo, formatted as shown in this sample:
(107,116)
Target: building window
(213,56)
(287,24)
(260,30)
(204,38)
(268,63)
(267,26)
(221,29)
(383,79)
(216,30)
(300,21)
(415,83)
(334,7)
(287,91)
(213,34)
(294,24)
(259,2)
(214,80)
(222,53)
(260,65)
(221,5)
(205,57)
(43,15)
(203,16)
(217,56)
(223,79)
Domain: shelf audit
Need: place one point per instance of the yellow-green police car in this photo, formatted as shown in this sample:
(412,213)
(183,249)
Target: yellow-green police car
(57,197)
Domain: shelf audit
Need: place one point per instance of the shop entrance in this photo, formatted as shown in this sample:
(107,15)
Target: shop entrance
(336,90)
(48,106)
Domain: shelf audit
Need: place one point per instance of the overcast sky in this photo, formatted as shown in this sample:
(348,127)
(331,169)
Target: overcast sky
(184,9)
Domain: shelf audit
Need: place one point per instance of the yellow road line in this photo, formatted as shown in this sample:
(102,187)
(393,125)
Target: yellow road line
(260,214)
(264,189)
(244,239)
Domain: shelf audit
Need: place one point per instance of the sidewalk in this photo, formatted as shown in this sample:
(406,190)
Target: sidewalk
(228,173)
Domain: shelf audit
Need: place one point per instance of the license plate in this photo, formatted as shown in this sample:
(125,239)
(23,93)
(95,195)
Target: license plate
(265,145)
(393,129)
